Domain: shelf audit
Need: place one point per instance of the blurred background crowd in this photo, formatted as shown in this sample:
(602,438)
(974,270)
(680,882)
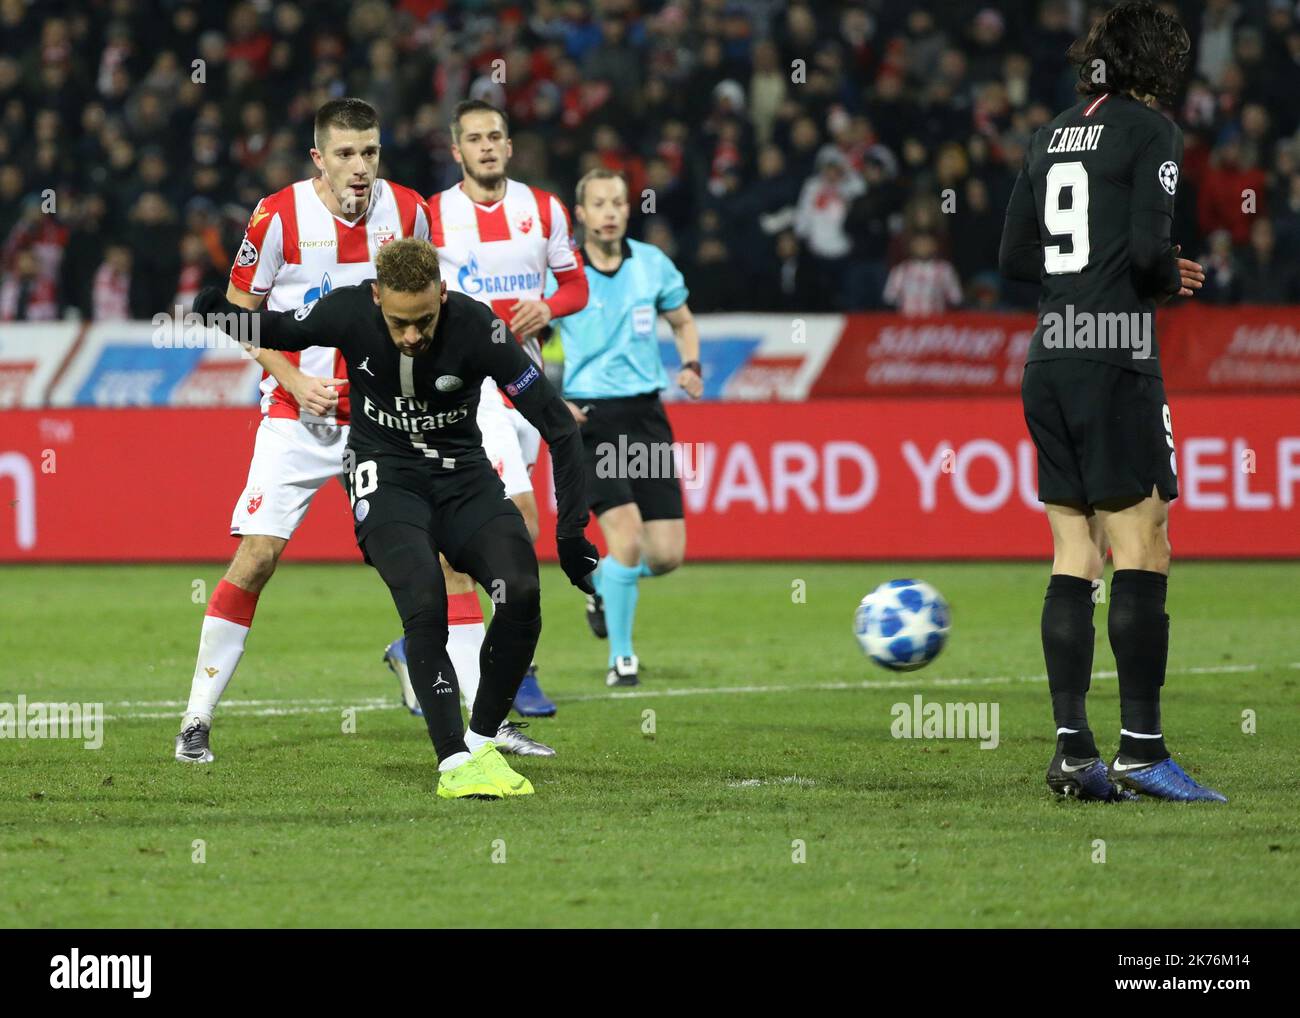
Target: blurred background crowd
(798,153)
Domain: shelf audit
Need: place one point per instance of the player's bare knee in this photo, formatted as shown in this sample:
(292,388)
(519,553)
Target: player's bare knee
(625,534)
(663,562)
(1161,553)
(254,563)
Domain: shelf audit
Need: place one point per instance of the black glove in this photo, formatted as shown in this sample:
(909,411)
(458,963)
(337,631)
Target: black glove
(578,558)
(212,300)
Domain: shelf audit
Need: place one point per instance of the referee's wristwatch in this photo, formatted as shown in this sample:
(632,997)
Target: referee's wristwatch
(693,366)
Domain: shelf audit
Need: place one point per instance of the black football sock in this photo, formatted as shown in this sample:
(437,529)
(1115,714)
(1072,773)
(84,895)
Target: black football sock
(1067,649)
(434,680)
(508,647)
(1139,636)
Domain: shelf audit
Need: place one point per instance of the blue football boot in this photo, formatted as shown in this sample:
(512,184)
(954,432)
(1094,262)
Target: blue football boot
(1162,780)
(530,701)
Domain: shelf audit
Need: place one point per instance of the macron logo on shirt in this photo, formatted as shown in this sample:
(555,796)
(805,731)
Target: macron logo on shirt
(523,381)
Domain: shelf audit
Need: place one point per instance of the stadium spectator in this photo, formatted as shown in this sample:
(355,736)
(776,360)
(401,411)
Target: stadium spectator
(1222,271)
(923,283)
(870,220)
(84,254)
(1266,276)
(111,290)
(26,293)
(819,222)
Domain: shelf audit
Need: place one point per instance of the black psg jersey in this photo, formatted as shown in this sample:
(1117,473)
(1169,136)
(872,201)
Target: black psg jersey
(423,407)
(1090,219)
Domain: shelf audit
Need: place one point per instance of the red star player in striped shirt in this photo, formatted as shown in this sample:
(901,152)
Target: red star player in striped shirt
(496,240)
(301,242)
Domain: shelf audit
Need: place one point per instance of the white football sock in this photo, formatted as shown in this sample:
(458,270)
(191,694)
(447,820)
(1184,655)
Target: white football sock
(464,643)
(221,645)
(473,740)
(453,761)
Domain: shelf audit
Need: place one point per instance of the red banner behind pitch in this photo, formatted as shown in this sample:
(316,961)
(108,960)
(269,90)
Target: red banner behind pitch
(898,478)
(1239,350)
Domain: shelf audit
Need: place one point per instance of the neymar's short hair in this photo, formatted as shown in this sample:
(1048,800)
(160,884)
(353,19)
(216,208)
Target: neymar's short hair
(1134,47)
(408,265)
(348,114)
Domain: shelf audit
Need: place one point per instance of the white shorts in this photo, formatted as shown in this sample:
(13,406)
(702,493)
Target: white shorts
(291,462)
(511,443)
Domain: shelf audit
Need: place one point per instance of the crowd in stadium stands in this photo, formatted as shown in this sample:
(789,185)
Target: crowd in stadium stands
(799,155)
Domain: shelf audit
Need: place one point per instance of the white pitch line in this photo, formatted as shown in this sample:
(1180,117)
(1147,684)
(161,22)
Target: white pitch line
(267,712)
(917,683)
(323,706)
(244,703)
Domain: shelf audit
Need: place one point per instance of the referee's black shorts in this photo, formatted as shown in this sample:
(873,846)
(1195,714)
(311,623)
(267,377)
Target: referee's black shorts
(628,445)
(1103,432)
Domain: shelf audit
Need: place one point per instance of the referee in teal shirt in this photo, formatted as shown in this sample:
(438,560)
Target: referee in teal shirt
(612,377)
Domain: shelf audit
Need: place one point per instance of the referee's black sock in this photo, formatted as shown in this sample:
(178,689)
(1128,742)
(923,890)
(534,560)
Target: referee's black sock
(434,680)
(1067,649)
(1139,636)
(508,647)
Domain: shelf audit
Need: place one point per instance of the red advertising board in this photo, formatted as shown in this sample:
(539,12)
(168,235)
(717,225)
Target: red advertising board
(1202,349)
(831,479)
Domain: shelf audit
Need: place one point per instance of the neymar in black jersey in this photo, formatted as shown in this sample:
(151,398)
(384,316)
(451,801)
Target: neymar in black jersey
(1090,220)
(420,482)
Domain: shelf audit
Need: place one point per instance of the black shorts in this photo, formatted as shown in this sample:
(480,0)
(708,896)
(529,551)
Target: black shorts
(1102,432)
(449,505)
(628,445)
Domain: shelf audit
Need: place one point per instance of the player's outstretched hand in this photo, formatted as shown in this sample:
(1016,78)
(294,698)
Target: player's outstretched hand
(578,559)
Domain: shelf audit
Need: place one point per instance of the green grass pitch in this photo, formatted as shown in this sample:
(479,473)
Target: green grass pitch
(771,743)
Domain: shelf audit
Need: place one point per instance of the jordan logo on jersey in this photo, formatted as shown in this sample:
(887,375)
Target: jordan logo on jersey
(365,366)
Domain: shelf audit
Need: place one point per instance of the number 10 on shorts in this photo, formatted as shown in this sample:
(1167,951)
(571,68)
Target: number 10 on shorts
(364,480)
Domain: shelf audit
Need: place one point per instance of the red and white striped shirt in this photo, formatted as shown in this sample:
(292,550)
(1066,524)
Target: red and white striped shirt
(295,251)
(499,254)
(923,287)
(110,295)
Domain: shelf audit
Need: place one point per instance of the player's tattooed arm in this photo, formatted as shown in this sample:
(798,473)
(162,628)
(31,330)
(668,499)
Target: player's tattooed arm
(319,396)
